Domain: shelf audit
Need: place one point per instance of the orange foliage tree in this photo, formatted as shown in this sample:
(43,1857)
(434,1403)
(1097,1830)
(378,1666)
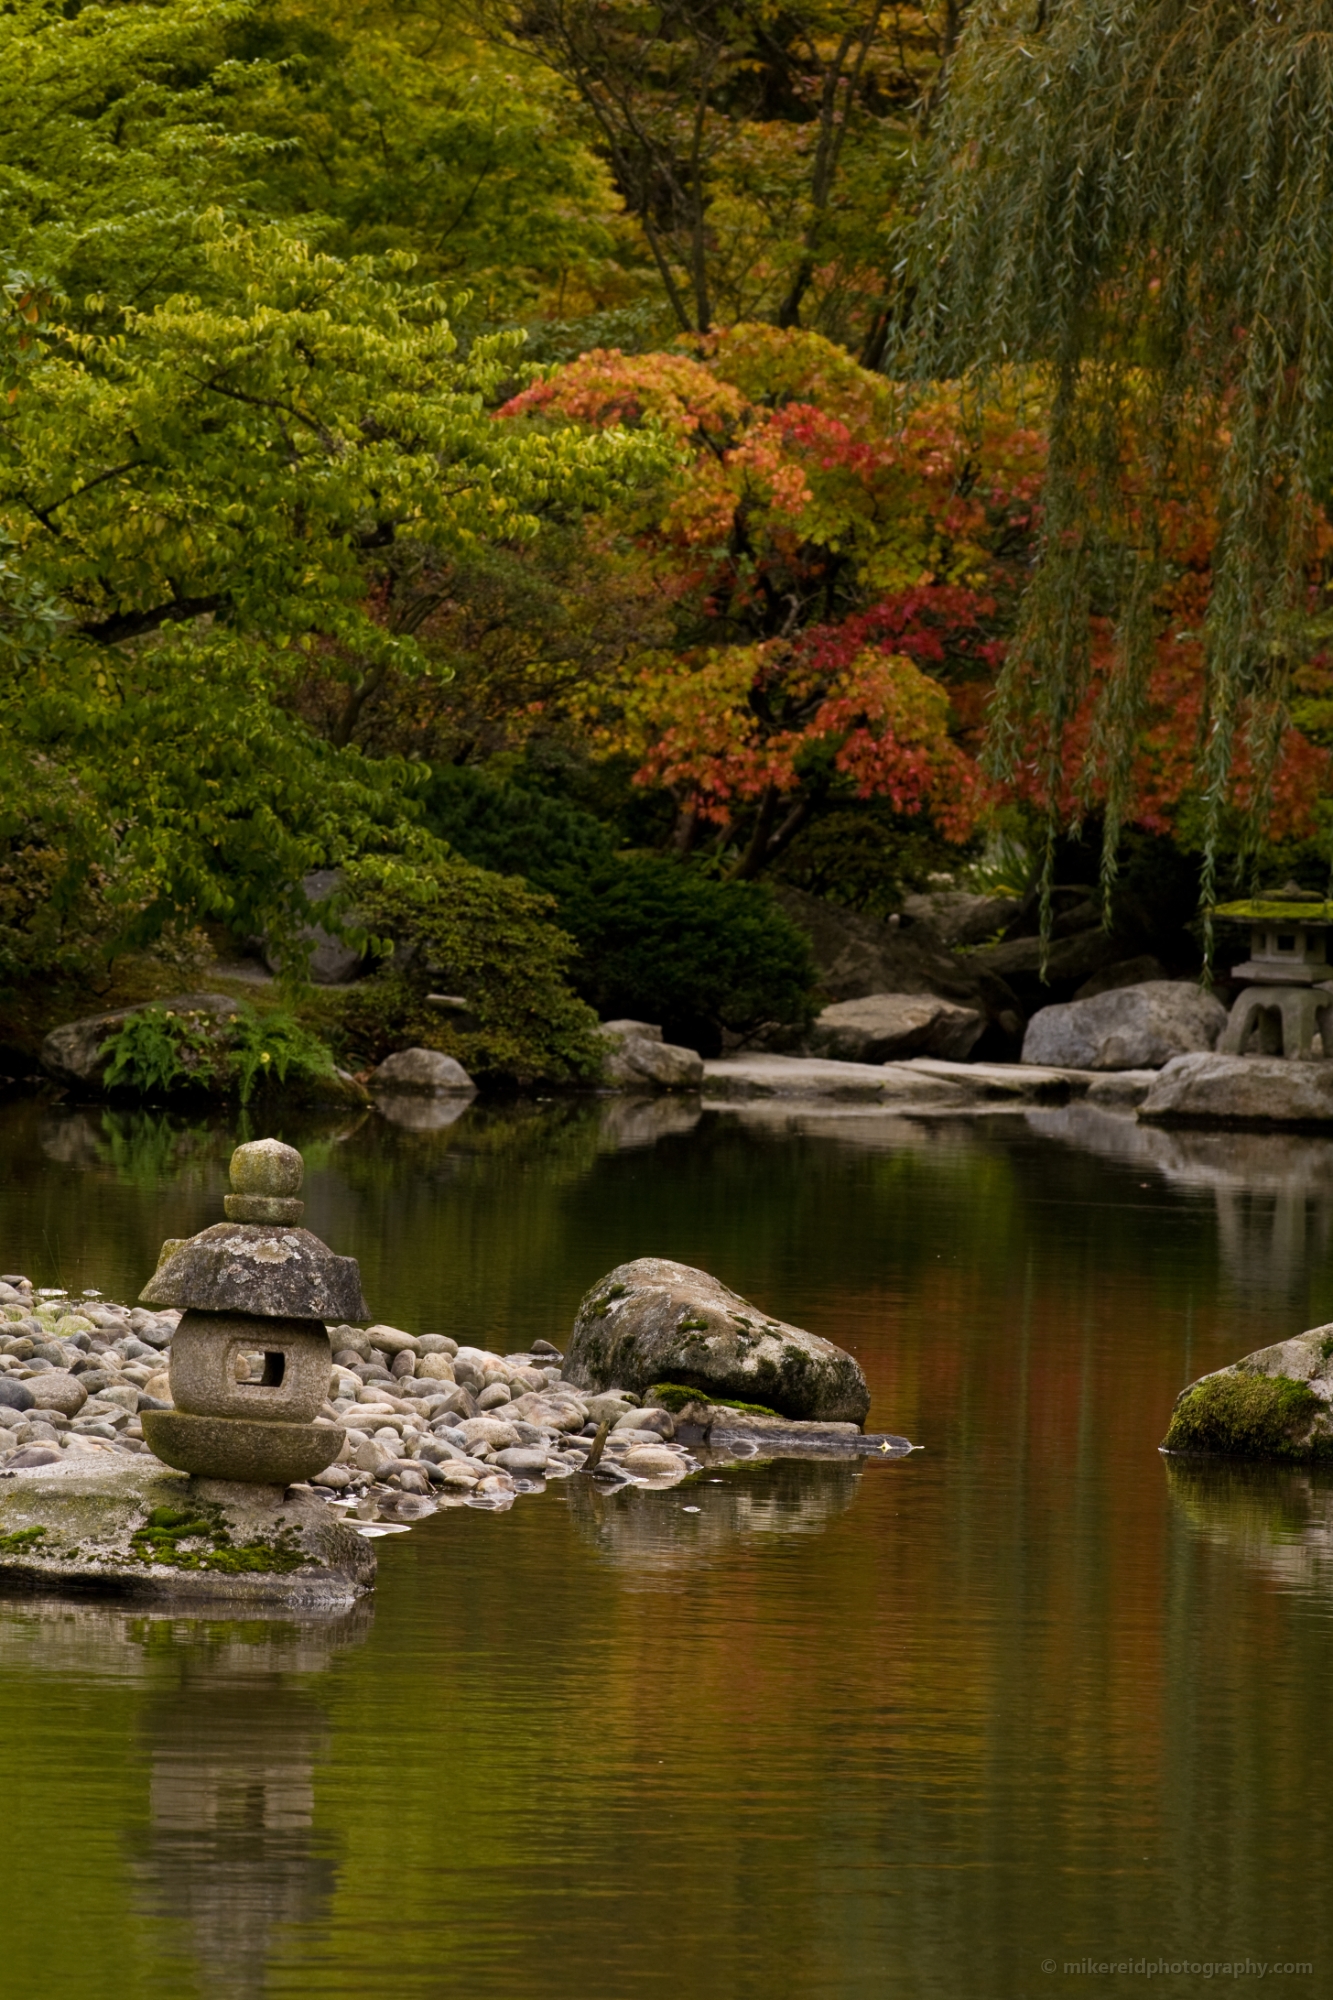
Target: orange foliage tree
(837,564)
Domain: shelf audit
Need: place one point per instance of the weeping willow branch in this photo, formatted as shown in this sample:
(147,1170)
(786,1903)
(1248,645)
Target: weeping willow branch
(1133,199)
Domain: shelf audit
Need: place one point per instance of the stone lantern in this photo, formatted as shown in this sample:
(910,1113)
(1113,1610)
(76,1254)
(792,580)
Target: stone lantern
(250,1359)
(1287,1000)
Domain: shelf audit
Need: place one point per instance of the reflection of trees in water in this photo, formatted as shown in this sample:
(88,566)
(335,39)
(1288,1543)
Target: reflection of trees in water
(231,1740)
(646,1530)
(1272,1191)
(1276,1518)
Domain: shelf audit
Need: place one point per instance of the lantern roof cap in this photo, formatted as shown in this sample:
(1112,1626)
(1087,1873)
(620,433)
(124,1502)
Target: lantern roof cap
(258,1261)
(1279,908)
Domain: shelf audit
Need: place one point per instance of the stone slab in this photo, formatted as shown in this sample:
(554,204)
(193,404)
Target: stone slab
(89,1514)
(1255,1091)
(917,1084)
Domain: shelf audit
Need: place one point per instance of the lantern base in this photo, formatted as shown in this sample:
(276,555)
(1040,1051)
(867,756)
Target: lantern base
(240,1448)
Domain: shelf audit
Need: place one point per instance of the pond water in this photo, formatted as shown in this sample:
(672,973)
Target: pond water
(1031,1697)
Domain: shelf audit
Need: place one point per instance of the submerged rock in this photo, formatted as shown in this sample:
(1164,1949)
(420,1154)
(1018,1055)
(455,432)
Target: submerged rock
(1129,1027)
(1276,1403)
(654,1321)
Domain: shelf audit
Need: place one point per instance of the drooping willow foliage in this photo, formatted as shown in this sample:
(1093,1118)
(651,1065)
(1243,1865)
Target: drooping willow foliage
(1134,198)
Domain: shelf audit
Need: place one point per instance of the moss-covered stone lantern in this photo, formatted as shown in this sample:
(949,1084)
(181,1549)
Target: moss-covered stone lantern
(1285,1001)
(250,1359)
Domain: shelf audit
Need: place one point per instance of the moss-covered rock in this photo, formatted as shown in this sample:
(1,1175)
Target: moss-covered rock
(128,1527)
(1274,1404)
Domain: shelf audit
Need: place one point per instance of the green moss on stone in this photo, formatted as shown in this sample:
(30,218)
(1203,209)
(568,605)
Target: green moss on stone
(164,1535)
(21,1540)
(674,1396)
(1248,1416)
(602,1306)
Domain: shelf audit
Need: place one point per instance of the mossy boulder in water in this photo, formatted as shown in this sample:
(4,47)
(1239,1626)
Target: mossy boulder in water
(653,1321)
(1276,1404)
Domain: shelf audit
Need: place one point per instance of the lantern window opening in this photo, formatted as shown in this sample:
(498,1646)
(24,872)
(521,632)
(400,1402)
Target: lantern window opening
(256,1368)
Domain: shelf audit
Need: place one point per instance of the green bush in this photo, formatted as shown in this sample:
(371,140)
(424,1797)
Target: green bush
(452,928)
(657,940)
(866,859)
(160,1053)
(515,831)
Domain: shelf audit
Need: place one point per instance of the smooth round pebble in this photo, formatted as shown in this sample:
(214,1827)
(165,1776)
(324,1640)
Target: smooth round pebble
(521,1458)
(651,1458)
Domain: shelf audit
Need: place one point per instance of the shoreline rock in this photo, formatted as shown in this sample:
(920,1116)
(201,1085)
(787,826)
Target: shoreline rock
(1126,1027)
(1253,1091)
(137,1529)
(884,1027)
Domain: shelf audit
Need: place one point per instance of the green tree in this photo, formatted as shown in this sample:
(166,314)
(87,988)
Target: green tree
(201,499)
(392,125)
(758,145)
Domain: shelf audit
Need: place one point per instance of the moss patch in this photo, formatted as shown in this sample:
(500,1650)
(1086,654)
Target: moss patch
(199,1538)
(1248,1416)
(21,1541)
(674,1396)
(602,1306)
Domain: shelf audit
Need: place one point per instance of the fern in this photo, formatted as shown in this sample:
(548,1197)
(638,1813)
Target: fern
(274,1045)
(158,1051)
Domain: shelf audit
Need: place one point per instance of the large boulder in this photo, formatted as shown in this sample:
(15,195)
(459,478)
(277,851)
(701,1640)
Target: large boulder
(959,917)
(1130,1027)
(1275,1403)
(1207,1089)
(856,956)
(653,1321)
(333,961)
(886,1027)
(638,1059)
(72,1053)
(424,1072)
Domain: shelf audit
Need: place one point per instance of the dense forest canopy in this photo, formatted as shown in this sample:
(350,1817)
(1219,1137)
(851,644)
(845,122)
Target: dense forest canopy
(760,432)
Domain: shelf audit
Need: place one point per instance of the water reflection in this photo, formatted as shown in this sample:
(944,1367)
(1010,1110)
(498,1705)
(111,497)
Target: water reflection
(1276,1519)
(704,1521)
(231,1850)
(1272,1191)
(231,1732)
(422,1114)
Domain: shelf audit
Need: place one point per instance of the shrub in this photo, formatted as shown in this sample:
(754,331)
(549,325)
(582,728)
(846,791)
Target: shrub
(516,831)
(657,940)
(864,858)
(466,931)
